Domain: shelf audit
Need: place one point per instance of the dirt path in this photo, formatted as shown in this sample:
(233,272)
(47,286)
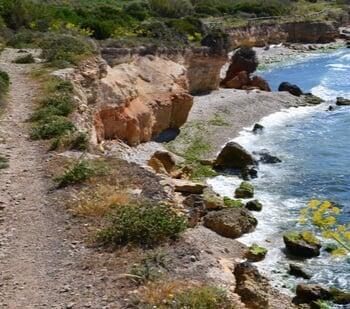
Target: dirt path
(32,249)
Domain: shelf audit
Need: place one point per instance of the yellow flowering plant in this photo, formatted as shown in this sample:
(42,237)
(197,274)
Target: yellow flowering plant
(324,215)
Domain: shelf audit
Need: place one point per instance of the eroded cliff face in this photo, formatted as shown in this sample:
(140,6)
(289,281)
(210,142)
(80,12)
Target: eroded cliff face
(141,99)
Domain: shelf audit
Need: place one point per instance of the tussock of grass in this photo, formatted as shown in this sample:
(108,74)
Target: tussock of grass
(4,84)
(72,140)
(178,294)
(78,173)
(142,224)
(3,162)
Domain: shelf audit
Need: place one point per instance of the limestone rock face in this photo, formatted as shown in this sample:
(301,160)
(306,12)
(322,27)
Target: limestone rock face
(310,32)
(230,222)
(140,99)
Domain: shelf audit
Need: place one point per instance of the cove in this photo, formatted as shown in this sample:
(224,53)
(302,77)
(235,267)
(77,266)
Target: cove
(314,146)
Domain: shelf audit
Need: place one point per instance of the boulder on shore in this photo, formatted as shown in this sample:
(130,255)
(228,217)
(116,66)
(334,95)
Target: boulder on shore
(251,286)
(254,205)
(212,200)
(259,82)
(256,253)
(302,244)
(162,162)
(230,222)
(245,190)
(257,128)
(187,186)
(307,293)
(292,89)
(235,156)
(298,271)
(342,101)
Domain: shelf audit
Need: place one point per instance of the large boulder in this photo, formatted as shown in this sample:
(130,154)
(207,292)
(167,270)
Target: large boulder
(212,200)
(235,156)
(342,101)
(230,222)
(302,244)
(260,83)
(298,271)
(292,89)
(256,253)
(311,99)
(187,186)
(244,59)
(254,205)
(239,81)
(251,286)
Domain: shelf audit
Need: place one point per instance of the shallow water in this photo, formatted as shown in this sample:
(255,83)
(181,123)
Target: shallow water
(314,146)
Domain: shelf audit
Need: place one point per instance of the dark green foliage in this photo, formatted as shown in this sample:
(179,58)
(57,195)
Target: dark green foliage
(65,49)
(78,173)
(4,83)
(28,58)
(171,8)
(3,162)
(72,140)
(137,9)
(142,225)
(50,127)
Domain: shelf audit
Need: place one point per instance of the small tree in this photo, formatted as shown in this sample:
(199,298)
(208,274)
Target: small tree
(325,216)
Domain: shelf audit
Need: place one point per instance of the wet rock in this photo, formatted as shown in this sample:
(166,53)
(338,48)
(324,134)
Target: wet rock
(292,89)
(311,99)
(340,297)
(258,128)
(230,222)
(307,293)
(298,271)
(249,173)
(251,286)
(302,244)
(330,108)
(234,155)
(254,205)
(256,253)
(187,186)
(342,101)
(266,157)
(245,190)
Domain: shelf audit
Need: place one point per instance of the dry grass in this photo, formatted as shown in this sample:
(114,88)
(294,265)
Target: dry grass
(99,202)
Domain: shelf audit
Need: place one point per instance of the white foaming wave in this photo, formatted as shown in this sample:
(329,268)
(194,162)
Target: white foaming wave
(275,121)
(224,185)
(328,94)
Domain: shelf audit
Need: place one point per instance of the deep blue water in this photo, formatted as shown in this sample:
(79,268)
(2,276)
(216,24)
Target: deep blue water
(314,146)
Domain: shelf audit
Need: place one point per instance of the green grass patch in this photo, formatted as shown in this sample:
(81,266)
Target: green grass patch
(26,59)
(4,85)
(218,120)
(142,224)
(75,140)
(4,162)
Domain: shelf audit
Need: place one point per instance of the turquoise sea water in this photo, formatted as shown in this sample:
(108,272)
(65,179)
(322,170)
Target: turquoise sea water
(314,146)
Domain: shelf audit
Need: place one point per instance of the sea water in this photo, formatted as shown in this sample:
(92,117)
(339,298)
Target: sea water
(314,146)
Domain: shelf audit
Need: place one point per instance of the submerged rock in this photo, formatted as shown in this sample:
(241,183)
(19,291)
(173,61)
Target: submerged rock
(292,89)
(235,156)
(311,99)
(342,101)
(251,286)
(266,157)
(298,271)
(254,205)
(230,222)
(302,244)
(245,190)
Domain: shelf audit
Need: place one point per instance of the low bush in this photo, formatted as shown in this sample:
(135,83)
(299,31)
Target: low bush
(142,225)
(4,83)
(28,58)
(75,140)
(62,50)
(79,172)
(171,8)
(50,127)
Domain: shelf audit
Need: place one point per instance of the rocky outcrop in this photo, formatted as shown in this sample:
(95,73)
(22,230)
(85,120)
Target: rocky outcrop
(310,32)
(163,162)
(141,99)
(235,156)
(256,253)
(298,271)
(231,222)
(292,89)
(245,190)
(307,293)
(254,205)
(251,286)
(342,101)
(302,244)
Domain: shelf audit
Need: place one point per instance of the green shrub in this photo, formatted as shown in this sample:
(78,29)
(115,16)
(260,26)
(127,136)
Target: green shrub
(142,225)
(3,162)
(171,8)
(137,9)
(72,140)
(64,49)
(28,58)
(50,127)
(78,173)
(4,83)
(229,202)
